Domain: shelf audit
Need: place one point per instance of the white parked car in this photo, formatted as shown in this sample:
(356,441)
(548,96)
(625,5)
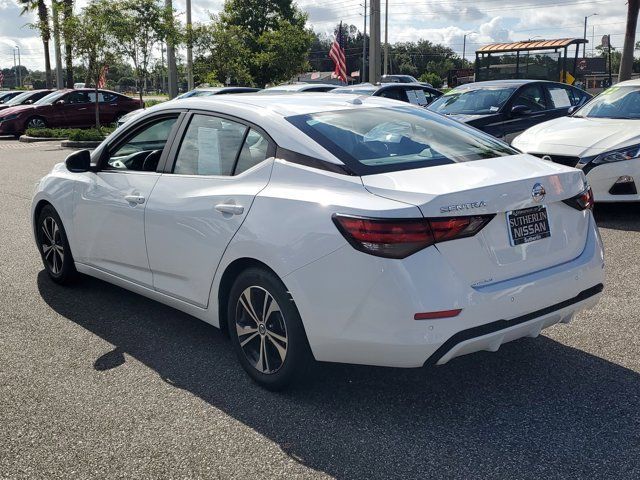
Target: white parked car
(327,227)
(602,138)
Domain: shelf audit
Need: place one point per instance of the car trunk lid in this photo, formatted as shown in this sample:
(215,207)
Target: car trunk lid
(495,186)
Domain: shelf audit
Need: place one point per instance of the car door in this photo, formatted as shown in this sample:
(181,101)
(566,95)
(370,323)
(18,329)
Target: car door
(527,108)
(562,98)
(199,204)
(110,203)
(78,110)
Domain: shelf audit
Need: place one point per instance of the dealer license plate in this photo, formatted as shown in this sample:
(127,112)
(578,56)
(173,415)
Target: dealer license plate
(528,225)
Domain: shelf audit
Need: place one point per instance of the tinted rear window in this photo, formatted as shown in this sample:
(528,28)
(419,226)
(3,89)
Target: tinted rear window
(377,140)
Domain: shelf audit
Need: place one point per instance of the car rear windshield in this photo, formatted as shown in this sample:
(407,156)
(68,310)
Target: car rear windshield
(384,139)
(615,102)
(477,101)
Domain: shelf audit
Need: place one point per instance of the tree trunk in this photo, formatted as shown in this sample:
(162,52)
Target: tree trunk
(626,62)
(97,107)
(68,60)
(47,64)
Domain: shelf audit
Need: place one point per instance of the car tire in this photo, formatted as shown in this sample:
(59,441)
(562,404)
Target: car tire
(35,122)
(269,338)
(53,246)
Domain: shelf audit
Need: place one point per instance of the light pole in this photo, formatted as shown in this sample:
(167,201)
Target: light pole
(464,48)
(386,37)
(364,44)
(584,48)
(172,71)
(374,42)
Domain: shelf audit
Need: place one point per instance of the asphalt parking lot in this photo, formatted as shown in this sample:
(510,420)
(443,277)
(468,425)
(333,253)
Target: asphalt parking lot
(97,382)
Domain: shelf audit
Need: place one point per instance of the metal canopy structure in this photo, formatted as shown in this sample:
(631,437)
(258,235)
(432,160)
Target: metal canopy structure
(490,64)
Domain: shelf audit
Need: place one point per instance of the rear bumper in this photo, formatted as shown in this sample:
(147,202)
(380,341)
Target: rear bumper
(365,314)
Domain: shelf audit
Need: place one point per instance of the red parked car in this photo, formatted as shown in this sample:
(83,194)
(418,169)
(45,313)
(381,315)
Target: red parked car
(67,109)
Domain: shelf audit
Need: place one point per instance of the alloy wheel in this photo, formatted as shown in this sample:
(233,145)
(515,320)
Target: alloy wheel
(36,123)
(52,245)
(261,330)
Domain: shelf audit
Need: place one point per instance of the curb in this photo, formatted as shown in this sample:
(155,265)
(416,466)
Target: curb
(27,139)
(80,144)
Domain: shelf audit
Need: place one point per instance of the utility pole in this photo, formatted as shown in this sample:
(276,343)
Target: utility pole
(56,41)
(464,48)
(172,71)
(20,66)
(15,69)
(364,45)
(386,37)
(190,85)
(374,42)
(162,78)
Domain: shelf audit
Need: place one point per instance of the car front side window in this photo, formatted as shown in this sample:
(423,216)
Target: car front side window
(142,151)
(531,97)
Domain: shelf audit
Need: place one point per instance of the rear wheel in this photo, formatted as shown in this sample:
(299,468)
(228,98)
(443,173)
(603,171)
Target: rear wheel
(36,122)
(54,246)
(266,330)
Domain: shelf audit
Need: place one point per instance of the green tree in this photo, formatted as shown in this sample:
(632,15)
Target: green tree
(67,34)
(432,78)
(273,35)
(42,25)
(94,42)
(138,26)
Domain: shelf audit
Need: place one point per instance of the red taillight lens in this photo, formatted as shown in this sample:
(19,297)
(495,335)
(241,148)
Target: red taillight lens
(399,238)
(582,201)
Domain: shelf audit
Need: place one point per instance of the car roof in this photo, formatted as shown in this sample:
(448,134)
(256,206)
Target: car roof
(505,83)
(629,83)
(291,87)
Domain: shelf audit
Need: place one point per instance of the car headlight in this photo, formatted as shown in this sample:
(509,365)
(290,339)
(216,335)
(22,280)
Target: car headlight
(626,153)
(13,116)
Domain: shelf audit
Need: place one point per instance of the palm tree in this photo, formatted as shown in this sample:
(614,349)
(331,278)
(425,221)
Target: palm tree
(67,14)
(626,62)
(45,31)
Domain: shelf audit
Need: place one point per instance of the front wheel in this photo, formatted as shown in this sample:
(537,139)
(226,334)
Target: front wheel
(54,246)
(36,122)
(266,330)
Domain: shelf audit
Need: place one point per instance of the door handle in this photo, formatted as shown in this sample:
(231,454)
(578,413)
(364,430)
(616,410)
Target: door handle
(230,208)
(137,199)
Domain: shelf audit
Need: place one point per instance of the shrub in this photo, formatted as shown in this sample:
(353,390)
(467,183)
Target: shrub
(432,78)
(47,132)
(151,103)
(90,135)
(75,134)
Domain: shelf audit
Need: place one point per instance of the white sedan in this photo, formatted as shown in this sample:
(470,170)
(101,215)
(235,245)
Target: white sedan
(602,138)
(326,227)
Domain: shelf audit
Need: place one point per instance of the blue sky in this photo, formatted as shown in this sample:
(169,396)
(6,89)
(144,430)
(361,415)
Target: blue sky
(440,21)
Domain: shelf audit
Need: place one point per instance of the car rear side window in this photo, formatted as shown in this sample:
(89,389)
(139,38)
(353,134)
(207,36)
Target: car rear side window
(210,146)
(376,140)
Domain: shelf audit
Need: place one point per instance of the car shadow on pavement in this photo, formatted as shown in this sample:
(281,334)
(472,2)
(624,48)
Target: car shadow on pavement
(618,216)
(535,406)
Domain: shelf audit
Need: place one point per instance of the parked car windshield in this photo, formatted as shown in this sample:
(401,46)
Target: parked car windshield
(472,101)
(615,102)
(376,140)
(18,99)
(49,99)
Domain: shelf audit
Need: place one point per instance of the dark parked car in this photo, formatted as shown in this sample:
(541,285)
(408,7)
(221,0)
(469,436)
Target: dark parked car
(506,108)
(403,79)
(405,92)
(5,96)
(25,98)
(66,108)
(208,91)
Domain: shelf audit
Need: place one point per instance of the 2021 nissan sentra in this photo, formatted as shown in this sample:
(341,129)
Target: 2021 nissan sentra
(602,138)
(327,227)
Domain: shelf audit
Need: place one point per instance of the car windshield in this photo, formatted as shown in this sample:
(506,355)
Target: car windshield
(18,99)
(376,140)
(615,102)
(355,91)
(49,99)
(472,101)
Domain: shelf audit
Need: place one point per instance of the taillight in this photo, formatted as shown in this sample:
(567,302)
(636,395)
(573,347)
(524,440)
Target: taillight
(401,237)
(582,201)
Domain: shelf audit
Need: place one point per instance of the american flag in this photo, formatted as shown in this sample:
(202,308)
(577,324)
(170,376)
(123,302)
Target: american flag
(337,55)
(102,81)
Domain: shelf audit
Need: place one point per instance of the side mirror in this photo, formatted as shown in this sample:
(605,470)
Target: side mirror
(79,162)
(572,110)
(28,102)
(59,102)
(519,110)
